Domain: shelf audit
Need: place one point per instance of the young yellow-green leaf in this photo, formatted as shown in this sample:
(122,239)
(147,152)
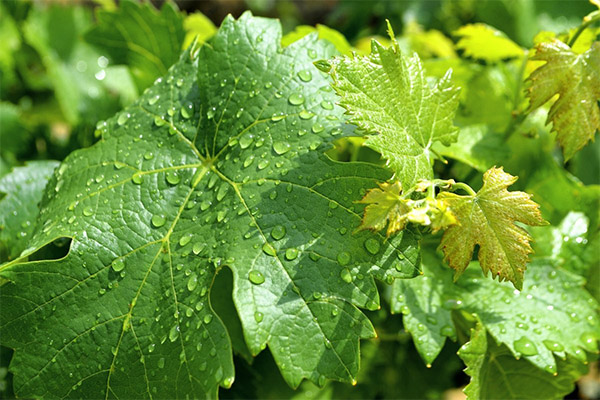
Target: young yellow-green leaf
(387,95)
(488,219)
(575,78)
(486,43)
(496,374)
(219,164)
(386,206)
(197,27)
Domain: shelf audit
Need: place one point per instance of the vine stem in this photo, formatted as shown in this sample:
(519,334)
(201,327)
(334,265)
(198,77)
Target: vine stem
(587,21)
(465,187)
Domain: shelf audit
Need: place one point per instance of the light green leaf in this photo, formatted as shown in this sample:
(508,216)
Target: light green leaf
(136,34)
(77,72)
(387,95)
(197,27)
(487,219)
(477,146)
(552,315)
(325,32)
(22,188)
(496,374)
(575,78)
(486,43)
(219,164)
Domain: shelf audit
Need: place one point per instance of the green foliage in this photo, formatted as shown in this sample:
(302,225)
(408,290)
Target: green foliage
(23,189)
(181,185)
(387,95)
(138,36)
(575,78)
(224,191)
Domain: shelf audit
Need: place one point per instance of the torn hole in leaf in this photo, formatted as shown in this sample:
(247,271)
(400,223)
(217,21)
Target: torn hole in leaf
(222,303)
(54,250)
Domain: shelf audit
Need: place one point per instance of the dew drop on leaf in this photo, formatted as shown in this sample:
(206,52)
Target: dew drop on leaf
(174,333)
(327,105)
(258,316)
(192,283)
(291,254)
(296,99)
(317,128)
(525,346)
(278,232)
(137,179)
(123,117)
(158,220)
(88,211)
(305,75)
(553,346)
(346,275)
(372,245)
(118,265)
(256,277)
(173,178)
(281,147)
(343,258)
(185,239)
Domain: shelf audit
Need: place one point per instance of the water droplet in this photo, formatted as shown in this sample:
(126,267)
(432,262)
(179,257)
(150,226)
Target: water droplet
(262,164)
(553,346)
(137,179)
(258,316)
(211,113)
(192,283)
(589,342)
(291,254)
(281,147)
(207,318)
(277,117)
(278,231)
(222,191)
(151,347)
(296,99)
(447,331)
(153,99)
(525,346)
(118,265)
(256,277)
(305,114)
(343,258)
(346,275)
(248,161)
(88,211)
(174,333)
(158,220)
(198,247)
(305,75)
(173,178)
(372,245)
(327,105)
(318,128)
(123,117)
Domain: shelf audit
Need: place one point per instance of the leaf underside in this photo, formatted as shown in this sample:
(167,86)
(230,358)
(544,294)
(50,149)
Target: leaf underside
(218,164)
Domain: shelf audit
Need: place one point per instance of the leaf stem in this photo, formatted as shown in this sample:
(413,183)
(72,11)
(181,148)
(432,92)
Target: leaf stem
(587,21)
(465,187)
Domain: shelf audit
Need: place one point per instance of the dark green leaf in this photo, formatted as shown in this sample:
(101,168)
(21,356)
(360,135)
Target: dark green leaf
(218,164)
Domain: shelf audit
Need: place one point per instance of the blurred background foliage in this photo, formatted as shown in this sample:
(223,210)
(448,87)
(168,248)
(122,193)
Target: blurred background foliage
(65,66)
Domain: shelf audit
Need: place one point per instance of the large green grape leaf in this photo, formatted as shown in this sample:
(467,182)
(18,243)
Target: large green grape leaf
(22,189)
(139,36)
(553,314)
(218,164)
(487,219)
(496,374)
(387,94)
(575,78)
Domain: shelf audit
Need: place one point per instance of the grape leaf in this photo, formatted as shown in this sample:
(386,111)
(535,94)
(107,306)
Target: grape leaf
(496,374)
(387,206)
(141,37)
(487,219)
(23,189)
(325,32)
(553,314)
(387,95)
(220,163)
(575,78)
(486,43)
